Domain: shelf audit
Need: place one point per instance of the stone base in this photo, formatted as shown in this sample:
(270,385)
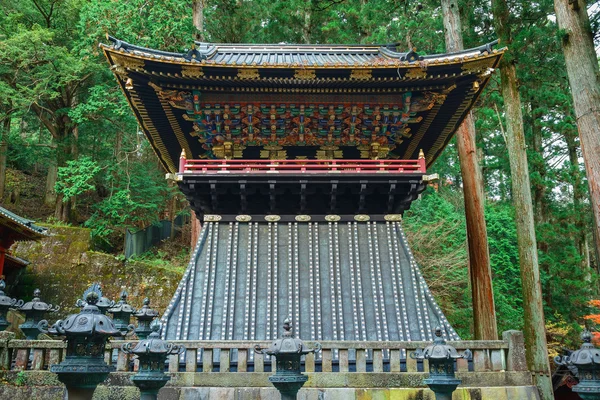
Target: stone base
(269,393)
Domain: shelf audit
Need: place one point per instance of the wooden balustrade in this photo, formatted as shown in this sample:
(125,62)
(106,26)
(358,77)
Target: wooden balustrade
(191,167)
(239,356)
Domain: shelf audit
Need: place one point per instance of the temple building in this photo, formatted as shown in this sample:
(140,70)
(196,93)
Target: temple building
(14,228)
(300,161)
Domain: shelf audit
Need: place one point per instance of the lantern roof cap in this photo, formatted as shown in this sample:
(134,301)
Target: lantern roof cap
(89,322)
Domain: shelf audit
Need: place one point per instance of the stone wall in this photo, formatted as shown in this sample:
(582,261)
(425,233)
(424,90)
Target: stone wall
(63,266)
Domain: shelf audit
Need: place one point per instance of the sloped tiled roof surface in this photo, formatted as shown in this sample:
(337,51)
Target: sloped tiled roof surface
(336,280)
(19,228)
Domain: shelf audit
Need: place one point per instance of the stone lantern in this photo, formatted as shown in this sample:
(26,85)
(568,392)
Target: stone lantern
(86,335)
(121,312)
(144,316)
(6,303)
(34,311)
(287,351)
(152,353)
(442,379)
(587,362)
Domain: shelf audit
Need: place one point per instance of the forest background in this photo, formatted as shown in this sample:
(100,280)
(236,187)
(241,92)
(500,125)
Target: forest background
(71,151)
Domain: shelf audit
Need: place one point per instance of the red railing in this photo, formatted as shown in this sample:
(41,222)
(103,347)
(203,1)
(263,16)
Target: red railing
(301,166)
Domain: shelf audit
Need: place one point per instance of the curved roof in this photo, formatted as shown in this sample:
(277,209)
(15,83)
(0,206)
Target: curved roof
(321,55)
(18,228)
(299,101)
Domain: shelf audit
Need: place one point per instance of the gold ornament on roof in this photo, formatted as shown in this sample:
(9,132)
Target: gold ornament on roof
(243,218)
(248,73)
(362,218)
(272,218)
(303,218)
(190,71)
(473,67)
(361,74)
(305,74)
(212,218)
(128,63)
(332,218)
(416,73)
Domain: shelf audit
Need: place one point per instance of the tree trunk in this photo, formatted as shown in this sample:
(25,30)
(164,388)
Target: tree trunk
(198,18)
(539,189)
(50,197)
(578,197)
(64,149)
(484,313)
(307,25)
(535,332)
(3,150)
(584,79)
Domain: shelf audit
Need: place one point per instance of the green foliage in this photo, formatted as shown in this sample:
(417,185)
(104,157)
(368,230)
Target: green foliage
(66,110)
(135,200)
(21,378)
(76,177)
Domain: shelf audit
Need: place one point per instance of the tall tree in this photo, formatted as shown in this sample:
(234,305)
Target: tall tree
(484,313)
(584,78)
(198,18)
(535,333)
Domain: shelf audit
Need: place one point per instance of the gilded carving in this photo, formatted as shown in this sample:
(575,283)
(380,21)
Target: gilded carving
(332,218)
(361,218)
(212,218)
(243,218)
(329,153)
(393,217)
(302,218)
(128,62)
(190,71)
(416,73)
(273,153)
(305,74)
(248,73)
(272,218)
(361,74)
(476,66)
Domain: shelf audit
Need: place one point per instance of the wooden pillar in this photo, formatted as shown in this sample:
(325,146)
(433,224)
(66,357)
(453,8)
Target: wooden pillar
(484,312)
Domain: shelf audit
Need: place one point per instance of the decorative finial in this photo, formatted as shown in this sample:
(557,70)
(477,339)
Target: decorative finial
(438,331)
(155,326)
(287,327)
(146,302)
(92,298)
(36,294)
(183,155)
(124,296)
(421,154)
(586,336)
(2,285)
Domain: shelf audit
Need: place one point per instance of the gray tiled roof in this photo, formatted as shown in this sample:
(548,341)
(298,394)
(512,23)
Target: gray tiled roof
(24,223)
(336,280)
(286,54)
